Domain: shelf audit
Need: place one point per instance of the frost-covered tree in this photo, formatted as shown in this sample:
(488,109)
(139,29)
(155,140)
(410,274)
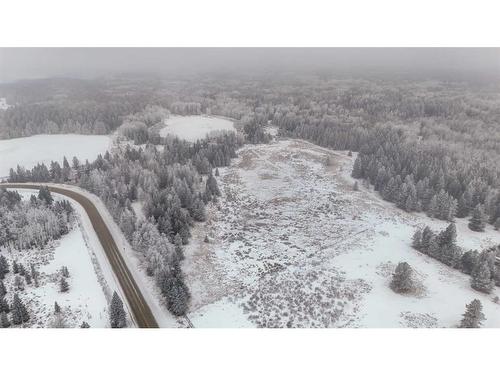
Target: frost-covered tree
(18,283)
(4,267)
(19,312)
(402,279)
(4,305)
(64,271)
(481,275)
(469,261)
(416,242)
(45,195)
(3,290)
(477,222)
(4,320)
(63,285)
(473,316)
(117,316)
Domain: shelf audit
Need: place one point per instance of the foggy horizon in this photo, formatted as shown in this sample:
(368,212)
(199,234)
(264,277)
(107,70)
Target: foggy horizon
(481,64)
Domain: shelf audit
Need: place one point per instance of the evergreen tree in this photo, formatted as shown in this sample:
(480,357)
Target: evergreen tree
(4,320)
(27,278)
(473,316)
(45,195)
(84,325)
(4,305)
(34,275)
(19,312)
(117,316)
(355,186)
(217,172)
(4,267)
(18,283)
(481,276)
(3,290)
(212,186)
(63,285)
(402,281)
(477,221)
(64,271)
(417,240)
(15,267)
(427,236)
(57,308)
(469,261)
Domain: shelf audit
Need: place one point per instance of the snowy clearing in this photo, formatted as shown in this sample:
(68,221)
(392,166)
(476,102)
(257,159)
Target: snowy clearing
(292,245)
(28,151)
(192,128)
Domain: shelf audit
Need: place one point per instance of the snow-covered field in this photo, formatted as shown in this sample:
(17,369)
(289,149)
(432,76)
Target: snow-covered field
(292,245)
(91,281)
(192,128)
(28,151)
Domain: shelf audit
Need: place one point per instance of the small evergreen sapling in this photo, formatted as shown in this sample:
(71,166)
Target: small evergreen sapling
(117,316)
(473,316)
(63,285)
(402,281)
(84,325)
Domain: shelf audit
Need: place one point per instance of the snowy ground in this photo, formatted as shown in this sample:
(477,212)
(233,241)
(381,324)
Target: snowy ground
(91,280)
(292,245)
(3,104)
(28,151)
(192,128)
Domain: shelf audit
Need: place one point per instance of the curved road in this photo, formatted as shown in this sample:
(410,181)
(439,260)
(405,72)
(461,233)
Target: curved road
(142,313)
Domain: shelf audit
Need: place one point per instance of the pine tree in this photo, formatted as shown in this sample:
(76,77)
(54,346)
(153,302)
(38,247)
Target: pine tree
(4,320)
(3,290)
(117,316)
(19,312)
(84,325)
(473,316)
(4,267)
(18,283)
(34,275)
(481,276)
(4,305)
(57,308)
(402,281)
(417,240)
(427,236)
(477,221)
(27,278)
(355,186)
(217,172)
(64,271)
(63,285)
(15,267)
(45,195)
(469,261)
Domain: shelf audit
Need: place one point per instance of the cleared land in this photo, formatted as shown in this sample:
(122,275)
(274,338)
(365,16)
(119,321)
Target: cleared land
(292,245)
(29,151)
(192,128)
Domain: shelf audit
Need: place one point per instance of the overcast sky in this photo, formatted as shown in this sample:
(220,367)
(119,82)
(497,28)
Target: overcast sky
(448,63)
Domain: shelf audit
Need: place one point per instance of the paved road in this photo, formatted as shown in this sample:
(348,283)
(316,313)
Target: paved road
(140,309)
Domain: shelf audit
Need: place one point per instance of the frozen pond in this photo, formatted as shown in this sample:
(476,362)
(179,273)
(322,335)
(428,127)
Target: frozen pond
(192,128)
